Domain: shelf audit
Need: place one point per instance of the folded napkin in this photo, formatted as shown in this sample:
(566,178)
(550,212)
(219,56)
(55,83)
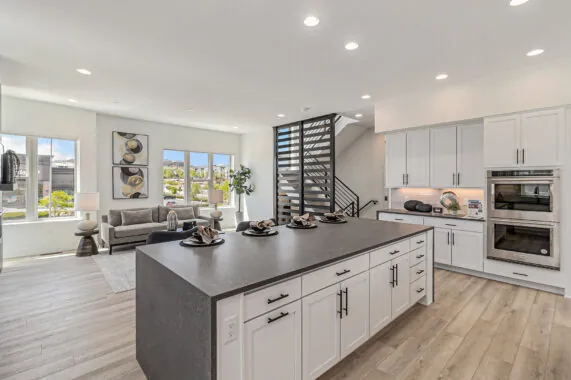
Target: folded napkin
(205,234)
(337,215)
(304,220)
(262,225)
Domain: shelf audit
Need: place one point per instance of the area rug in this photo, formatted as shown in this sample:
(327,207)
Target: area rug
(118,269)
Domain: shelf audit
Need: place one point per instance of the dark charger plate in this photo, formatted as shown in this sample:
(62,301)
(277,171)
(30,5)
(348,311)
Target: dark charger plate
(333,221)
(193,243)
(301,227)
(270,232)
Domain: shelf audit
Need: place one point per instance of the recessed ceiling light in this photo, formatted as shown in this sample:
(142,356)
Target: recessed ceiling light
(281,115)
(236,127)
(190,110)
(366,96)
(72,100)
(83,71)
(535,52)
(358,115)
(311,21)
(351,46)
(515,3)
(441,76)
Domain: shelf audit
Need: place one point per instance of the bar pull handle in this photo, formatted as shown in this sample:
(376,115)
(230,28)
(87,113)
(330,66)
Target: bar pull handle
(419,256)
(517,156)
(421,271)
(420,290)
(394,252)
(458,179)
(453,178)
(449,238)
(407,179)
(453,238)
(403,179)
(523,156)
(392,276)
(398,219)
(342,273)
(282,315)
(346,308)
(520,274)
(451,225)
(340,311)
(397,274)
(420,242)
(281,297)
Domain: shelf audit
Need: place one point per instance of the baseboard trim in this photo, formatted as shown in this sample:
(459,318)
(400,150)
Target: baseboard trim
(513,281)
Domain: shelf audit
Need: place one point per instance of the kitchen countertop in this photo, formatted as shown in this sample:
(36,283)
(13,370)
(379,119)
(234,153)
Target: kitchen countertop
(430,214)
(245,263)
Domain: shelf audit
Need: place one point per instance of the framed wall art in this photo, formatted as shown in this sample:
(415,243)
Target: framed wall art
(130,182)
(130,149)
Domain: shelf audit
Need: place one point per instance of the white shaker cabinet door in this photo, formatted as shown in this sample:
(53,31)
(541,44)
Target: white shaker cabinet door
(355,310)
(321,331)
(395,165)
(442,246)
(273,345)
(401,289)
(543,138)
(380,297)
(468,250)
(417,158)
(443,157)
(470,158)
(502,141)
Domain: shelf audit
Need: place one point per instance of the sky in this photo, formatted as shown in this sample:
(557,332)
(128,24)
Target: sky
(197,159)
(59,149)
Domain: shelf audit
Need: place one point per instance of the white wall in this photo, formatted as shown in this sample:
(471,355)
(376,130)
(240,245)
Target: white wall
(161,136)
(361,167)
(25,117)
(258,155)
(526,89)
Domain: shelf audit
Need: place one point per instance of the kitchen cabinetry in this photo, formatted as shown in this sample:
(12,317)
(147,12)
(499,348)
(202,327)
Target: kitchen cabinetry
(355,318)
(442,247)
(400,286)
(468,250)
(406,159)
(530,139)
(273,345)
(456,156)
(380,298)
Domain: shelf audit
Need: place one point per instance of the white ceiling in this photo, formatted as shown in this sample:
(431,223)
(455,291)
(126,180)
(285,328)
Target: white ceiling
(240,63)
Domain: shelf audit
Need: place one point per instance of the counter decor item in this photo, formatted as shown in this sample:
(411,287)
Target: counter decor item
(411,205)
(337,217)
(475,209)
(172,221)
(449,200)
(216,197)
(87,202)
(261,228)
(239,183)
(423,207)
(203,237)
(302,222)
(437,210)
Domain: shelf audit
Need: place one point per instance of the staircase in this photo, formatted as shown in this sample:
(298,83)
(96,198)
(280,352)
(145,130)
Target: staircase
(305,165)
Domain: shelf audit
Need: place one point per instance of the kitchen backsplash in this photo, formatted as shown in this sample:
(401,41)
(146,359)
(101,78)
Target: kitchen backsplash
(432,196)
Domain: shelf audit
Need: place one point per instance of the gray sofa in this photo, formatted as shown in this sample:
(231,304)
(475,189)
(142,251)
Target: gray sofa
(114,232)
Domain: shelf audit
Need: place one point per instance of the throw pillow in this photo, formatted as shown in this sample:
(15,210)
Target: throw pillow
(137,217)
(184,213)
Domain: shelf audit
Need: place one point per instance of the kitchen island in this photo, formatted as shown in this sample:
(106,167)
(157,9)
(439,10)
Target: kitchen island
(288,306)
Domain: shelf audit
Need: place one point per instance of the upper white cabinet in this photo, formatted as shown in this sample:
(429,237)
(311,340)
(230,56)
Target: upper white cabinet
(531,139)
(457,156)
(406,159)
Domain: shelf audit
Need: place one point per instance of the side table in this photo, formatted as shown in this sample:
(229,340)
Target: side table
(87,245)
(216,223)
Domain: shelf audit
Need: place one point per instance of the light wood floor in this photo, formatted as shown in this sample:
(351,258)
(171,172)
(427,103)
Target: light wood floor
(60,320)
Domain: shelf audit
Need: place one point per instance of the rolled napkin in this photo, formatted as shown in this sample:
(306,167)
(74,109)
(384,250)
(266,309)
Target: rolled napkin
(304,220)
(262,225)
(205,234)
(337,215)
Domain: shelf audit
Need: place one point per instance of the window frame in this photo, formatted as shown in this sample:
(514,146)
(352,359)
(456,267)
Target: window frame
(32,196)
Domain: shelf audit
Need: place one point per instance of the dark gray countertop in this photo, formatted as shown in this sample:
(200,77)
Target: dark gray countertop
(244,263)
(429,214)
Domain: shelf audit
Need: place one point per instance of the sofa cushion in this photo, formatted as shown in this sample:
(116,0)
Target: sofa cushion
(116,220)
(184,213)
(137,229)
(164,210)
(136,217)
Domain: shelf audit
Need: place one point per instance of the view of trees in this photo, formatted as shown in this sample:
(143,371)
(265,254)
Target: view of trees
(62,204)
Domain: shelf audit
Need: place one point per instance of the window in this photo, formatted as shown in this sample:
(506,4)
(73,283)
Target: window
(14,202)
(173,177)
(188,176)
(56,178)
(50,193)
(221,165)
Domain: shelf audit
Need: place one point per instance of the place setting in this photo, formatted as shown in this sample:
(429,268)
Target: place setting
(337,217)
(303,222)
(203,237)
(261,228)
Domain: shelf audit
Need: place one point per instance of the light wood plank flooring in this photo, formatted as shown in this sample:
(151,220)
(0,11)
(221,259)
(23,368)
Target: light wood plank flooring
(60,320)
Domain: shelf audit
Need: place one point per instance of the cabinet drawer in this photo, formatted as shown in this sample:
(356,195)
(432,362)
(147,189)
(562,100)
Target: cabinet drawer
(271,297)
(418,271)
(400,218)
(417,256)
(417,241)
(417,290)
(384,254)
(330,275)
(524,272)
(455,224)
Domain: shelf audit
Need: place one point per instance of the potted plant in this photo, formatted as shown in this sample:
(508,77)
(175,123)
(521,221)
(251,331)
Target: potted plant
(238,183)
